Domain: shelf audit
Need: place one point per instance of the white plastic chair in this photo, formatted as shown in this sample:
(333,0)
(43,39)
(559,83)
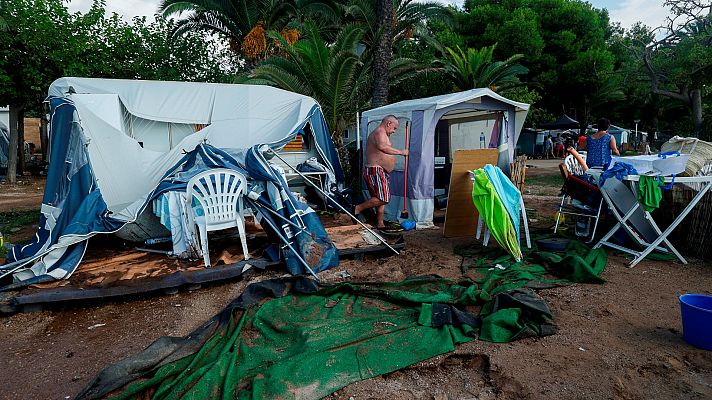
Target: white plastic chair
(572,164)
(219,192)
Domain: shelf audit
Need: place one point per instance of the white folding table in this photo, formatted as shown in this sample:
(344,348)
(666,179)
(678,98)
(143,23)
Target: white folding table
(659,241)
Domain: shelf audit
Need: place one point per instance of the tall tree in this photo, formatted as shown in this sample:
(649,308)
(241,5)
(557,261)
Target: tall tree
(383,52)
(560,41)
(679,64)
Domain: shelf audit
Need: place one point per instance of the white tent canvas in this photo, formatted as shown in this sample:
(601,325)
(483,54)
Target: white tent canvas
(112,142)
(471,114)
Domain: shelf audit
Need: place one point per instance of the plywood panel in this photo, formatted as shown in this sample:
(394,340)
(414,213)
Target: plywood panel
(461,215)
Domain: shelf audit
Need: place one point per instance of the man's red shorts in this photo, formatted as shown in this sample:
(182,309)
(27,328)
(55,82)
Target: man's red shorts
(377,182)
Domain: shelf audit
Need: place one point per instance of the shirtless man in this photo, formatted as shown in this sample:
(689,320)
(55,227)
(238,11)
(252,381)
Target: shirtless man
(380,160)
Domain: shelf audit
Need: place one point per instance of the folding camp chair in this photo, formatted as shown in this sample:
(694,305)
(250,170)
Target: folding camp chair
(636,222)
(580,199)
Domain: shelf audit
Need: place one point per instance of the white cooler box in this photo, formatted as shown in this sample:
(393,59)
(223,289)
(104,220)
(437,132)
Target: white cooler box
(654,164)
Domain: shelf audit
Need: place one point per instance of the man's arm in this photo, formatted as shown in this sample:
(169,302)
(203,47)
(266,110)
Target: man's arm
(384,145)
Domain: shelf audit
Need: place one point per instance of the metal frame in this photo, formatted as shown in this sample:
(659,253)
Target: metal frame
(590,216)
(326,196)
(662,235)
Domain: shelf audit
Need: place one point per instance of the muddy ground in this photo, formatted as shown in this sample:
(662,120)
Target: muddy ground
(620,340)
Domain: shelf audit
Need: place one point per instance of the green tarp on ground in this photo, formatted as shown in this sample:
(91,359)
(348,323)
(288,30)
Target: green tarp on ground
(292,338)
(539,269)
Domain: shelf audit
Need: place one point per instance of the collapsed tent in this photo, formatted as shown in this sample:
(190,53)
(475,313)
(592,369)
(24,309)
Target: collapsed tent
(116,144)
(477,118)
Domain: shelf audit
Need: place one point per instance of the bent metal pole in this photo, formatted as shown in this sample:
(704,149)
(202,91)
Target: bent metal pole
(314,185)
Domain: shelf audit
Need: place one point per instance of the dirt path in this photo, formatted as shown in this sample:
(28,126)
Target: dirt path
(619,340)
(25,195)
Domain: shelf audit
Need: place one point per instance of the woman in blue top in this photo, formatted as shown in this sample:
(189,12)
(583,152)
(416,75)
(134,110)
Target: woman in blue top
(600,146)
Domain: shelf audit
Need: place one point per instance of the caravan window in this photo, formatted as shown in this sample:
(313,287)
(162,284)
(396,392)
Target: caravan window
(473,133)
(299,144)
(157,135)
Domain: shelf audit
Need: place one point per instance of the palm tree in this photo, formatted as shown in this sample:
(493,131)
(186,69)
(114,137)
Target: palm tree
(387,22)
(245,23)
(333,74)
(408,15)
(475,69)
(383,52)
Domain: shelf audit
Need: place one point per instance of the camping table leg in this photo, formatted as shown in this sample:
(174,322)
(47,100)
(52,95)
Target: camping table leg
(667,243)
(674,224)
(621,220)
(622,223)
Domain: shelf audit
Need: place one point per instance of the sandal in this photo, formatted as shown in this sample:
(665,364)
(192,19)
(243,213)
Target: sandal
(390,230)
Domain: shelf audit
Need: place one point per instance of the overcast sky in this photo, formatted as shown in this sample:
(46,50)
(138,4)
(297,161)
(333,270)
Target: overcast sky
(627,12)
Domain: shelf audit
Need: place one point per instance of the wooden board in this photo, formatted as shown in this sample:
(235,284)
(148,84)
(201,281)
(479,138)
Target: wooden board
(461,215)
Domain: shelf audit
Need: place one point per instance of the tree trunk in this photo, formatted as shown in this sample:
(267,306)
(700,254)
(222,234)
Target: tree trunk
(21,142)
(383,53)
(12,149)
(44,134)
(696,105)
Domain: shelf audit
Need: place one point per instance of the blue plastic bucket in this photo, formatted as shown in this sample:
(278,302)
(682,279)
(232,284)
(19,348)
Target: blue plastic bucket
(696,310)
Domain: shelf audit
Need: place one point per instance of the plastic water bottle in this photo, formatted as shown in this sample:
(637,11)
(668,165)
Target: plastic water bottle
(482,140)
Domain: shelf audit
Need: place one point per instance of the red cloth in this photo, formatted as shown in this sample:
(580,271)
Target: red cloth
(581,142)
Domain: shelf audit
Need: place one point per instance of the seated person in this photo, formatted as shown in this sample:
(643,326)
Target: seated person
(600,146)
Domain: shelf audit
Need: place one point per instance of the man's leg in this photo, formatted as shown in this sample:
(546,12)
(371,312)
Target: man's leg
(379,215)
(373,202)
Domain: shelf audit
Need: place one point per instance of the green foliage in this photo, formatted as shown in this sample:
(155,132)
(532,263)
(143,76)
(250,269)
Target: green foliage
(563,43)
(473,68)
(333,74)
(11,220)
(44,42)
(410,16)
(244,23)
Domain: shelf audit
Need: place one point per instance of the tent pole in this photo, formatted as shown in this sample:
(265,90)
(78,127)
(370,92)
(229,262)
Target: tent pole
(299,228)
(314,185)
(311,271)
(21,264)
(358,133)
